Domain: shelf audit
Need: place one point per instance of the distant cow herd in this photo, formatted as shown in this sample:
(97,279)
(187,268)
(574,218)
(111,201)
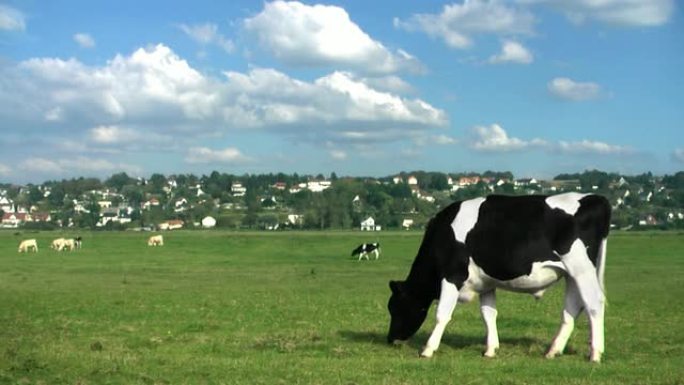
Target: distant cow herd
(71,244)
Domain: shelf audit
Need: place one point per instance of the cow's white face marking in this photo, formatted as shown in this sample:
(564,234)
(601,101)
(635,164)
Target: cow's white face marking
(568,202)
(466,218)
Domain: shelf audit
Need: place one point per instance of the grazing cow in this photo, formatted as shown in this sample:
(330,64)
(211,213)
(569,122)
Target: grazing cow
(69,244)
(78,241)
(366,248)
(155,240)
(27,245)
(57,244)
(522,244)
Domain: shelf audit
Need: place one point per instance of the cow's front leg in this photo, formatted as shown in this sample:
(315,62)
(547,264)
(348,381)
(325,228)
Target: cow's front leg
(488,311)
(448,298)
(572,308)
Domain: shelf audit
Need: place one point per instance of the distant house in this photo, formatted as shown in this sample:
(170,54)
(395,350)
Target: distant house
(279,186)
(369,225)
(208,222)
(238,190)
(397,180)
(406,224)
(318,186)
(41,217)
(173,224)
(295,219)
(153,202)
(6,205)
(13,220)
(468,180)
(412,181)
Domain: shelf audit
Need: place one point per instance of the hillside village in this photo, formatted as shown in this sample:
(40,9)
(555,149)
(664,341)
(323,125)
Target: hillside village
(280,201)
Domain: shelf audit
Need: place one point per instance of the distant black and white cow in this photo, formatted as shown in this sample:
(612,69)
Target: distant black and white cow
(366,248)
(522,244)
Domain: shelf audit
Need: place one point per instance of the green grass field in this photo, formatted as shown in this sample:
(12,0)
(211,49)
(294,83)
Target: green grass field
(216,307)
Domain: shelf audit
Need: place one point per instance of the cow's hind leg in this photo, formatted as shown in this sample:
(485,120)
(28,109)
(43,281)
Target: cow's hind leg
(448,298)
(571,309)
(585,275)
(488,311)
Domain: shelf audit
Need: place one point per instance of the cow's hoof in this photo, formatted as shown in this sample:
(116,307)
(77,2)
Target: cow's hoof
(489,354)
(427,353)
(595,357)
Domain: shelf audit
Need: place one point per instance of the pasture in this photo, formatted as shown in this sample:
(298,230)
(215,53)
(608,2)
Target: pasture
(213,307)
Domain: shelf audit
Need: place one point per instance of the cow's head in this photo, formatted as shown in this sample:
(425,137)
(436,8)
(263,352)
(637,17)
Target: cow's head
(406,314)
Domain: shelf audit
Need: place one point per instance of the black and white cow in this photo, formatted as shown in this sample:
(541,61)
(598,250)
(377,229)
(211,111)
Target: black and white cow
(366,248)
(522,244)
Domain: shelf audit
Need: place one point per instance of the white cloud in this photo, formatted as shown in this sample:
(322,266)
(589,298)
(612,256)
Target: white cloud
(593,147)
(678,155)
(494,138)
(338,154)
(5,170)
(152,97)
(389,83)
(630,13)
(204,155)
(206,34)
(512,52)
(457,23)
(322,35)
(569,89)
(11,19)
(84,40)
(113,135)
(53,115)
(73,166)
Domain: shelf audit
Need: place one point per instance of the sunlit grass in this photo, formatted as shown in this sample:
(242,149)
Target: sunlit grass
(216,307)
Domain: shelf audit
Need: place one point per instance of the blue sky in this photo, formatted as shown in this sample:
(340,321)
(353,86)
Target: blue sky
(536,87)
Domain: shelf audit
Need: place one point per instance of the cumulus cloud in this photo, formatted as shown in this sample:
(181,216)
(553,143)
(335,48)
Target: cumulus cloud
(630,13)
(593,147)
(323,35)
(512,52)
(113,135)
(11,19)
(208,34)
(568,89)
(84,40)
(5,170)
(338,154)
(678,155)
(494,138)
(74,166)
(155,85)
(457,23)
(205,155)
(152,100)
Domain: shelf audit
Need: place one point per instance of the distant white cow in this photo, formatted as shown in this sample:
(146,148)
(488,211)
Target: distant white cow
(28,244)
(69,244)
(155,240)
(57,244)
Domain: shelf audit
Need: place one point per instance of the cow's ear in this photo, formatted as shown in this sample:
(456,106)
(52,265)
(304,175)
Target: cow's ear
(395,286)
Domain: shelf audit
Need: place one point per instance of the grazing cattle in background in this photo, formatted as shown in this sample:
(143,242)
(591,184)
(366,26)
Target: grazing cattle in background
(27,245)
(522,244)
(57,244)
(78,241)
(155,240)
(366,248)
(69,244)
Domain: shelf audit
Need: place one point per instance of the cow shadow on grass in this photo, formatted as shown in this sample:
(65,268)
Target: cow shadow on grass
(455,341)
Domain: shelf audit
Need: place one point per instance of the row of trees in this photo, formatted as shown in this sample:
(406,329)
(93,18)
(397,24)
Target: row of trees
(344,205)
